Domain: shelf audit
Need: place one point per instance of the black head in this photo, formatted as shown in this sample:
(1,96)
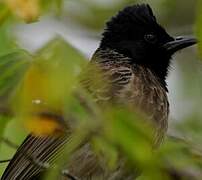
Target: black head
(135,33)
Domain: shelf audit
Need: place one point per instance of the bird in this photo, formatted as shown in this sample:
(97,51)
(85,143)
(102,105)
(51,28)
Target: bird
(134,57)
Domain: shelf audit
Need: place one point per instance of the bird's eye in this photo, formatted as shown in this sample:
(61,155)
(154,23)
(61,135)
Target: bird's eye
(150,38)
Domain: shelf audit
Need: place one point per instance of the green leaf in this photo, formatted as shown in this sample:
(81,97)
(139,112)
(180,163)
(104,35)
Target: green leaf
(60,65)
(55,6)
(12,69)
(199,26)
(126,130)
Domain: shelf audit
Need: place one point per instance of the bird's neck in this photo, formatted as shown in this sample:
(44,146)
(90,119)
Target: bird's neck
(159,70)
(107,55)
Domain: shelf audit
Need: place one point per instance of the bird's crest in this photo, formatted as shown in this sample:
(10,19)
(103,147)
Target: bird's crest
(136,14)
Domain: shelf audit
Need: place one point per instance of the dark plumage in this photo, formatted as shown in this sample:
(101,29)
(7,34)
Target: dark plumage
(133,58)
(127,33)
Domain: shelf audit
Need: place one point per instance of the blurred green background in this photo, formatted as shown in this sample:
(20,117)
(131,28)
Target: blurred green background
(32,25)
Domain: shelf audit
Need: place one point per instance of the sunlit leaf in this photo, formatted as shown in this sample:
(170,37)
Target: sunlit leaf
(28,10)
(43,125)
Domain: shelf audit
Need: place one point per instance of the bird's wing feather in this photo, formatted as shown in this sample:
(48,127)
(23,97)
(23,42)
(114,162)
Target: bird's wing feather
(32,157)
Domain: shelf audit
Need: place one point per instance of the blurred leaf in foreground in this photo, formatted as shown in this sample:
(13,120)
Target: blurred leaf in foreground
(7,37)
(4,13)
(52,6)
(199,26)
(28,10)
(49,81)
(12,69)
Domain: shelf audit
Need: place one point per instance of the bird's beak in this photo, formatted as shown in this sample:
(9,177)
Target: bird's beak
(179,43)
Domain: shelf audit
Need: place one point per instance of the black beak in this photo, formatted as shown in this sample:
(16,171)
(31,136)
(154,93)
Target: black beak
(179,43)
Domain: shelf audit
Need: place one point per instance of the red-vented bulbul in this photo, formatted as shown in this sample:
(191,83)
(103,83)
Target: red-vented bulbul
(134,56)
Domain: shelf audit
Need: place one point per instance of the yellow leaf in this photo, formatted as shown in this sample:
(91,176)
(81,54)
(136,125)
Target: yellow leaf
(28,10)
(44,125)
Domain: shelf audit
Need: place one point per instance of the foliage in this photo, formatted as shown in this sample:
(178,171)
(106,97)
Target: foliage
(48,80)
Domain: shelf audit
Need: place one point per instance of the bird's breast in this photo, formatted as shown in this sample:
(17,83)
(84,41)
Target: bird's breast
(117,80)
(145,93)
